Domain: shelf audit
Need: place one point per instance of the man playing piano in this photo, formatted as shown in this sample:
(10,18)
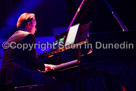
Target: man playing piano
(21,66)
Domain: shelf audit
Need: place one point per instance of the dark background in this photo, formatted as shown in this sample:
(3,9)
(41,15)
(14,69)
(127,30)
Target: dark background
(58,13)
(52,14)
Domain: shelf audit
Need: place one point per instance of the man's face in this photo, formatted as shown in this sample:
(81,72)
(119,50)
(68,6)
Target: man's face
(33,26)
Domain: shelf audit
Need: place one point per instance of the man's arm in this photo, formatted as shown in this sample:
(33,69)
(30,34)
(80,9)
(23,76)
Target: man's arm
(31,53)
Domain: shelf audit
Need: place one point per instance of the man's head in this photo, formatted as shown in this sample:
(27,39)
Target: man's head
(27,22)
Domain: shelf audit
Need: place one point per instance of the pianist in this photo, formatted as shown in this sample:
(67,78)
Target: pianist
(22,67)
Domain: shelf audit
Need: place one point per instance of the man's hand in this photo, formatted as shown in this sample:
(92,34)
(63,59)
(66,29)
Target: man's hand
(49,67)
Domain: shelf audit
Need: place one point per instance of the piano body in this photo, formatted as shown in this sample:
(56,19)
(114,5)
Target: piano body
(111,52)
(101,62)
(67,45)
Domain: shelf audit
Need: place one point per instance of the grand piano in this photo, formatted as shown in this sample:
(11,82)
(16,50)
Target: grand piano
(113,53)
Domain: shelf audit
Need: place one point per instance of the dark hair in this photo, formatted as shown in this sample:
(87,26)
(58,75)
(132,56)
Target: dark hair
(24,19)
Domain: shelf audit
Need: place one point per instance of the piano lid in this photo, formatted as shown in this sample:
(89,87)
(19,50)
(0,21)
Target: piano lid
(102,18)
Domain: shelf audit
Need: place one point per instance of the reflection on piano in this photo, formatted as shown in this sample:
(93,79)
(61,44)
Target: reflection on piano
(68,49)
(71,46)
(105,61)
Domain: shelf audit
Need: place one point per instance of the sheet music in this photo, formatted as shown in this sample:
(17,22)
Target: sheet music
(72,34)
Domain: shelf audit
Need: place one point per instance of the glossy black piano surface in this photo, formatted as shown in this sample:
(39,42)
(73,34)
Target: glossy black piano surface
(122,55)
(122,51)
